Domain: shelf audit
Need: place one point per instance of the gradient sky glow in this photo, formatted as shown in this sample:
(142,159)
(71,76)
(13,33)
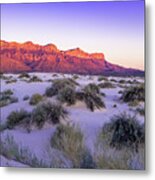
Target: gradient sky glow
(114,28)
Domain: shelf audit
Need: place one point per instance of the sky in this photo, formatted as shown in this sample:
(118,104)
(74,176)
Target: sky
(113,28)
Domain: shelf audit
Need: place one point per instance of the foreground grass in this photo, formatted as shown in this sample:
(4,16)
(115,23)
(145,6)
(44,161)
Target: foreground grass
(11,150)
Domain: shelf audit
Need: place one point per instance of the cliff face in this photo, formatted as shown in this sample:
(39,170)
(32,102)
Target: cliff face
(18,57)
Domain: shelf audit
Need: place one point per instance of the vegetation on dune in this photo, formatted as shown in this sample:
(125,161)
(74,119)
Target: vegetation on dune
(24,75)
(90,94)
(35,99)
(67,95)
(11,81)
(59,84)
(102,78)
(17,117)
(106,85)
(70,141)
(124,131)
(134,93)
(34,79)
(122,81)
(6,98)
(48,112)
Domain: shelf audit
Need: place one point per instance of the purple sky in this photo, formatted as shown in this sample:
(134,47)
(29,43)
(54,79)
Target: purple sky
(114,28)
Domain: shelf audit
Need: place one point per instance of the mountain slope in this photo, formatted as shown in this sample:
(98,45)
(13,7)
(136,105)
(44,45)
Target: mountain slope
(18,57)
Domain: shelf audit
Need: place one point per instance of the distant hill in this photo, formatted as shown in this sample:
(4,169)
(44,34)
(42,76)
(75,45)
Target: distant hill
(30,57)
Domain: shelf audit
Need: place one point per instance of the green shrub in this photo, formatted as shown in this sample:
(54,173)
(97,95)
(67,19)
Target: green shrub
(92,88)
(124,131)
(133,103)
(134,93)
(59,84)
(35,99)
(75,76)
(70,141)
(113,80)
(35,79)
(67,95)
(102,78)
(6,97)
(7,92)
(91,96)
(17,117)
(106,85)
(122,81)
(11,81)
(24,75)
(48,112)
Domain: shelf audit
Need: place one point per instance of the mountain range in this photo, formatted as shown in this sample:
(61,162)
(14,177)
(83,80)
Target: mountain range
(30,57)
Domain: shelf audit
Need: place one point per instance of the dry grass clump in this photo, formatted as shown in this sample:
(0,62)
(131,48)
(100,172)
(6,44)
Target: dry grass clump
(70,141)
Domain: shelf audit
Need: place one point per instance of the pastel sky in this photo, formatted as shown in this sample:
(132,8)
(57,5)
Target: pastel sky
(114,28)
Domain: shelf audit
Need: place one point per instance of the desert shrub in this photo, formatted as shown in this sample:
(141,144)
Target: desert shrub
(59,84)
(67,95)
(24,75)
(35,99)
(7,92)
(133,103)
(48,112)
(122,81)
(124,131)
(134,93)
(11,81)
(92,88)
(102,78)
(55,75)
(17,117)
(6,97)
(106,85)
(69,140)
(113,80)
(141,111)
(75,76)
(35,79)
(130,82)
(91,96)
(25,98)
